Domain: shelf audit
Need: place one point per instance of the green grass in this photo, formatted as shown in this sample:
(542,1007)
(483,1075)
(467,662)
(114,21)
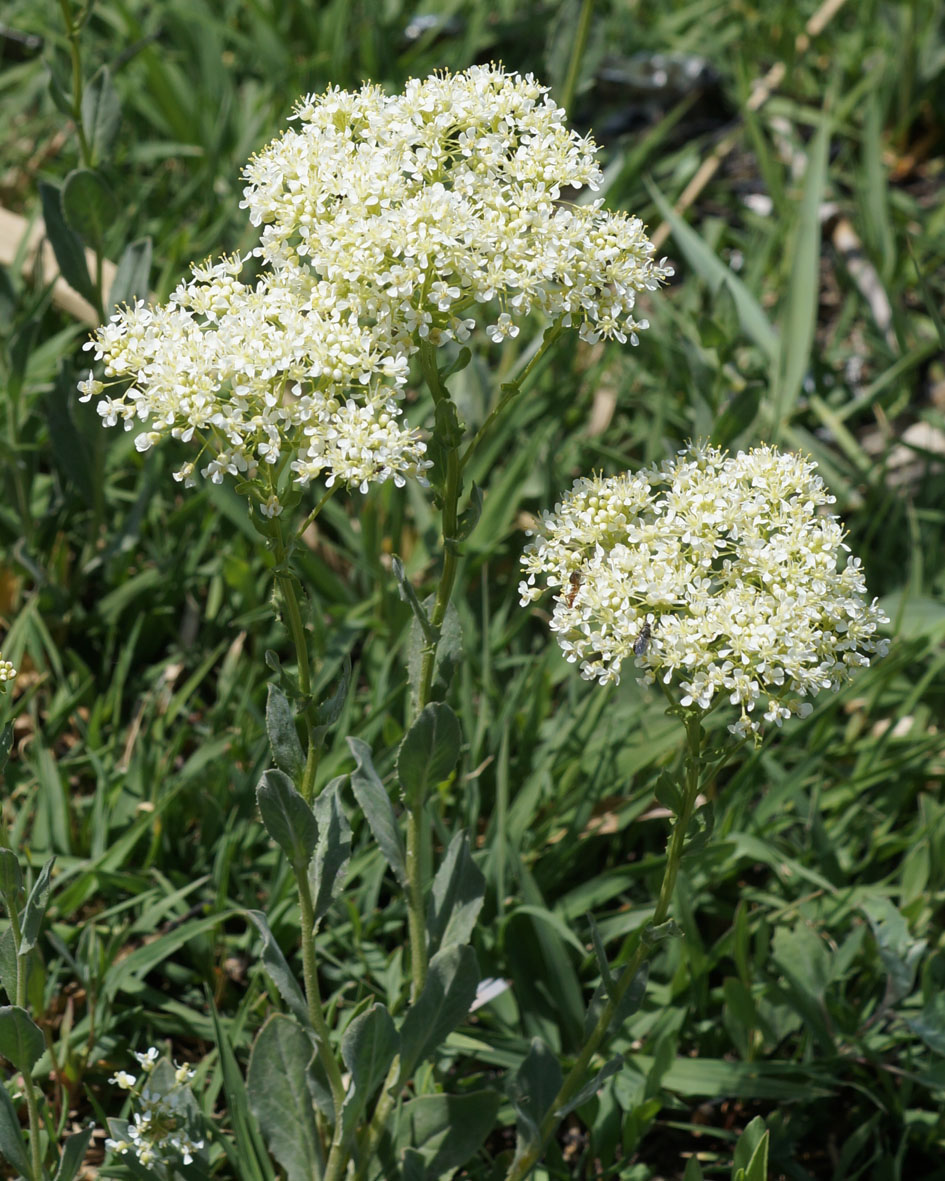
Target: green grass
(807,986)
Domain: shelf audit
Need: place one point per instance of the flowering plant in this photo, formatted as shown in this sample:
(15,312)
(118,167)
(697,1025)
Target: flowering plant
(718,575)
(390,224)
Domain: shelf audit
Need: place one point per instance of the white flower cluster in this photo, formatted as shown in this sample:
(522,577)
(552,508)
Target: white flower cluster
(158,1131)
(717,574)
(7,671)
(385,221)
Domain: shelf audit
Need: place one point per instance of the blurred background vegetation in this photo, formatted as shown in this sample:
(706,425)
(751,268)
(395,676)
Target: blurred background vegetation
(806,310)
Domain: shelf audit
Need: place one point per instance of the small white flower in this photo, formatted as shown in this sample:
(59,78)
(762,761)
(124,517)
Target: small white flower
(742,582)
(123,1079)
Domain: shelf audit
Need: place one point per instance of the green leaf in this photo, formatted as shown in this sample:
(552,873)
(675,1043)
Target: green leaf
(590,1088)
(251,1161)
(750,1162)
(278,970)
(737,417)
(73,1154)
(329,708)
(456,897)
(533,1089)
(281,1099)
(449,1129)
(88,205)
(368,1048)
(800,312)
(333,850)
(377,808)
(470,516)
(930,1024)
(35,909)
(11,880)
(409,596)
(284,742)
(12,1139)
(132,277)
(288,819)
(67,246)
(693,1170)
(600,955)
(8,962)
(429,750)
(101,114)
(450,988)
(69,447)
(21,1039)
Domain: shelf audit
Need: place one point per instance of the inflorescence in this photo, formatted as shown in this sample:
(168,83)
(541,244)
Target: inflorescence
(720,575)
(387,221)
(159,1132)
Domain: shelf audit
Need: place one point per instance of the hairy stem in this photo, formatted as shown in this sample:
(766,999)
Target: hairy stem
(315,1011)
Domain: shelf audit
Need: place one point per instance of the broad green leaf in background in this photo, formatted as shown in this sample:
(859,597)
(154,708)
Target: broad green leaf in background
(12,1145)
(532,1090)
(133,274)
(448,1129)
(88,205)
(73,1154)
(35,908)
(101,114)
(66,244)
(278,970)
(750,1162)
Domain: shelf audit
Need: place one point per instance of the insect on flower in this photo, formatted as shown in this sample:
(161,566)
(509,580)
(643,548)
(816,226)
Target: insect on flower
(642,641)
(574,583)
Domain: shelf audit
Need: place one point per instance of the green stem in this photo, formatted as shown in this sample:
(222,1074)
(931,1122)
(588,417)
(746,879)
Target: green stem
(577,53)
(315,1012)
(296,626)
(524,1164)
(511,391)
(32,1106)
(72,36)
(415,907)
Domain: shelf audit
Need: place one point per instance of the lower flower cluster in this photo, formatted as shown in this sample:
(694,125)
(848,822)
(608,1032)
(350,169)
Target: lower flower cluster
(720,575)
(160,1131)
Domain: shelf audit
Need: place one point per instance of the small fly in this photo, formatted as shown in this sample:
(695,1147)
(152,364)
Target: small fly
(641,643)
(574,583)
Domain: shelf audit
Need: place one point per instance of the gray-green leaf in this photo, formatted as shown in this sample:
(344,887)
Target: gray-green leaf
(88,205)
(332,852)
(456,897)
(67,246)
(35,909)
(132,276)
(532,1090)
(450,988)
(288,819)
(278,970)
(281,1098)
(284,742)
(449,1129)
(21,1039)
(12,1145)
(368,1048)
(375,803)
(429,750)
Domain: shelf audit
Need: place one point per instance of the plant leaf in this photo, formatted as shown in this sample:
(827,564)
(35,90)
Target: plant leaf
(429,750)
(278,970)
(288,819)
(532,1090)
(73,1154)
(35,909)
(12,1143)
(66,245)
(449,1129)
(101,114)
(284,742)
(375,803)
(88,205)
(133,274)
(450,988)
(333,851)
(280,1098)
(456,897)
(592,1087)
(21,1039)
(368,1048)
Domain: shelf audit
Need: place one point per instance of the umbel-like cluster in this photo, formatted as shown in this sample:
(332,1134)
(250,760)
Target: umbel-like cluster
(720,575)
(159,1131)
(386,221)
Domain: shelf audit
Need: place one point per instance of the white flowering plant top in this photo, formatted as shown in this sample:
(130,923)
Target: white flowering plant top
(160,1130)
(720,575)
(386,221)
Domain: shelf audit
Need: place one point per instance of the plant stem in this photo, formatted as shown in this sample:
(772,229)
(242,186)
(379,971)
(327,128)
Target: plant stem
(32,1107)
(315,1012)
(296,625)
(523,1165)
